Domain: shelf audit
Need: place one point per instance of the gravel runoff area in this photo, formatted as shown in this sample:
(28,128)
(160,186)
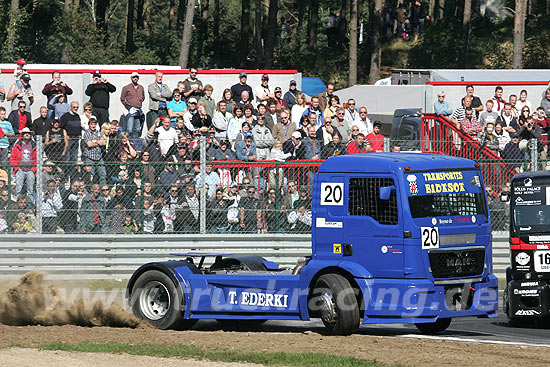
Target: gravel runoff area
(30,357)
(391,350)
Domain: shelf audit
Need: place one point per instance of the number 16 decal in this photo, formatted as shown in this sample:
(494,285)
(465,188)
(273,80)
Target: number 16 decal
(430,238)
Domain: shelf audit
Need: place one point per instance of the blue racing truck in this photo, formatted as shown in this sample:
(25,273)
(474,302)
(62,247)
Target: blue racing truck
(396,238)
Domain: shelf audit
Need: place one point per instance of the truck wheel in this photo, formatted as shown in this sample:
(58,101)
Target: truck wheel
(156,300)
(432,328)
(336,304)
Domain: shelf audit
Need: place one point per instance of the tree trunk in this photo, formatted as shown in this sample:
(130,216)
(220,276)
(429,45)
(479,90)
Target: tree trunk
(10,41)
(101,16)
(343,8)
(203,27)
(467,14)
(130,26)
(547,7)
(68,4)
(172,15)
(360,8)
(313,21)
(258,41)
(181,13)
(441,8)
(519,33)
(187,32)
(272,32)
(140,16)
(301,12)
(376,56)
(245,31)
(431,8)
(352,77)
(216,30)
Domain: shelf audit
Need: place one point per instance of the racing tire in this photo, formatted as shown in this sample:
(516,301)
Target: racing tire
(335,302)
(432,328)
(155,299)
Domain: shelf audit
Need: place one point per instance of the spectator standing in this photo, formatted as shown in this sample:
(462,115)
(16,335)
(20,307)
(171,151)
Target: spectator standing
(188,116)
(220,120)
(245,150)
(250,212)
(237,89)
(262,91)
(291,94)
(132,97)
(71,123)
(201,121)
(476,104)
(20,118)
(53,88)
(212,180)
(363,122)
(489,139)
(176,107)
(42,124)
(523,102)
(188,213)
(159,93)
(68,217)
(23,160)
(209,103)
(333,148)
(272,116)
(92,212)
(441,106)
(509,121)
(376,139)
(498,100)
(278,98)
(167,136)
(217,209)
(298,109)
(6,132)
(333,105)
(359,145)
(529,130)
(325,97)
(418,15)
(51,206)
(60,106)
(192,86)
(350,113)
(545,102)
(512,152)
(56,143)
(21,93)
(325,133)
(92,150)
(87,115)
(263,139)
(315,108)
(283,131)
(313,143)
(489,115)
(460,112)
(228,98)
(244,101)
(469,124)
(98,91)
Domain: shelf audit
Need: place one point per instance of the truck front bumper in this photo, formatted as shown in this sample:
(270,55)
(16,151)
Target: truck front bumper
(528,298)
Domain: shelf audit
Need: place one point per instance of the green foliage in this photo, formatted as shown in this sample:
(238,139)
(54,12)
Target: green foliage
(537,44)
(201,353)
(440,46)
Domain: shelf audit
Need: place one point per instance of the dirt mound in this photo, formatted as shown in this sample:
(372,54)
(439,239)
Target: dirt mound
(31,302)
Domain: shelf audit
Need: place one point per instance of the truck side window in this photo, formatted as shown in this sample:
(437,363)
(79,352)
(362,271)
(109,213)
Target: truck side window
(364,200)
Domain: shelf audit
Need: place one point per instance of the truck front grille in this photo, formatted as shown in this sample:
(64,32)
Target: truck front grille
(457,262)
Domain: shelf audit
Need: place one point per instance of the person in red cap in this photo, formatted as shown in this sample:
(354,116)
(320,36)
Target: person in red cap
(262,91)
(20,69)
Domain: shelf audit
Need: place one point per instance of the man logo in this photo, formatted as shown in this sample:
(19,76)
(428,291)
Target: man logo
(522,259)
(528,182)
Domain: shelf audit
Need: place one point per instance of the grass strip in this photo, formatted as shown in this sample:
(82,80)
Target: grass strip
(219,355)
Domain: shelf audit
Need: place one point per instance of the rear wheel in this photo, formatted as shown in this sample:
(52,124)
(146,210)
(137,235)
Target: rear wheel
(335,302)
(432,328)
(156,300)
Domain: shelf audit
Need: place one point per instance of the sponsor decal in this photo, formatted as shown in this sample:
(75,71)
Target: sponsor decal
(447,186)
(527,313)
(434,221)
(539,239)
(462,220)
(446,221)
(337,248)
(522,258)
(322,223)
(521,202)
(529,284)
(384,249)
(527,292)
(528,182)
(413,186)
(389,248)
(473,218)
(258,299)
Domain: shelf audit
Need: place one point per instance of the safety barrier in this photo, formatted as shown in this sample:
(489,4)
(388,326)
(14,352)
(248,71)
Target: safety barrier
(117,257)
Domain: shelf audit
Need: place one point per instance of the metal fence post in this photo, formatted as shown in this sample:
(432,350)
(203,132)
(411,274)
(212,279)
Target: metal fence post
(39,188)
(387,145)
(202,188)
(534,155)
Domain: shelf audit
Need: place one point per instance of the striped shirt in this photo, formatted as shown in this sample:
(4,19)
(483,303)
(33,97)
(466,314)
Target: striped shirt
(93,153)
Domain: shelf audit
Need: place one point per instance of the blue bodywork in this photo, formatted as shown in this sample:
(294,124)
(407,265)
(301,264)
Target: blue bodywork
(400,273)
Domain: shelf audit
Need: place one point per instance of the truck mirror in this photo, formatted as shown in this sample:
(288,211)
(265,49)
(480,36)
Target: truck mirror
(385,192)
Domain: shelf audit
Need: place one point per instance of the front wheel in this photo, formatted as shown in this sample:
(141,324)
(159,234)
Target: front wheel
(156,300)
(335,302)
(432,328)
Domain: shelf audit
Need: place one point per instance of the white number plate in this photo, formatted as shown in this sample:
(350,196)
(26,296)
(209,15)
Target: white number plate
(430,237)
(332,193)
(542,261)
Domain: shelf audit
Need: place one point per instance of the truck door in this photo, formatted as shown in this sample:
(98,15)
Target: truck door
(373,226)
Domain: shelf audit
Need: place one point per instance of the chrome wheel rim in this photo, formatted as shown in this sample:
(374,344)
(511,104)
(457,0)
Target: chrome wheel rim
(154,300)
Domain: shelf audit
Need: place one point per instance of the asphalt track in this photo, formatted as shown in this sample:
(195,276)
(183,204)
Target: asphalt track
(466,329)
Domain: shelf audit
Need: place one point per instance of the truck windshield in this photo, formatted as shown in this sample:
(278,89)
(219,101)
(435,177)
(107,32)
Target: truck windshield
(443,193)
(530,203)
(447,204)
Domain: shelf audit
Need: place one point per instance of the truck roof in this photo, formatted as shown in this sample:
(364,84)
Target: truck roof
(519,176)
(393,162)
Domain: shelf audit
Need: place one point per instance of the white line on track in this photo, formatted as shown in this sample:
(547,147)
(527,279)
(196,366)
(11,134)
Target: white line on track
(470,340)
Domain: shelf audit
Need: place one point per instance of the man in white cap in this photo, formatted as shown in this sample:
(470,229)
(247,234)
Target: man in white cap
(241,86)
(132,97)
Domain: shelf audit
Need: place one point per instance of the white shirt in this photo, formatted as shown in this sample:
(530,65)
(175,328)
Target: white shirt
(296,113)
(84,121)
(187,121)
(261,91)
(166,138)
(365,127)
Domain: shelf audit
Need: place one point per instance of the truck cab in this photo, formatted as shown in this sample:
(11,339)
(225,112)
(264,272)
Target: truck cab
(526,297)
(396,238)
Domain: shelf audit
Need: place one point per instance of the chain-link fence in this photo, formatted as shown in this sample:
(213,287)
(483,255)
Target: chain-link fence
(63,185)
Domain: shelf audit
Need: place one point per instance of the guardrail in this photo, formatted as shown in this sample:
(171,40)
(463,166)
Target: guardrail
(117,257)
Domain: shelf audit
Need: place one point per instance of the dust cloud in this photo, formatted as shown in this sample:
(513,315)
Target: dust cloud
(32,302)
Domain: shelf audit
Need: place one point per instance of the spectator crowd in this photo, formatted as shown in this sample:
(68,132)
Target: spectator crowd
(138,173)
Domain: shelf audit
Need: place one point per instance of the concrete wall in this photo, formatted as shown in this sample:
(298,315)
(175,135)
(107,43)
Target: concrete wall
(383,99)
(78,80)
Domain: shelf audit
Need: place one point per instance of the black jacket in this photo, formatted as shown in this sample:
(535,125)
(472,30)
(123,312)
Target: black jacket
(13,118)
(99,94)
